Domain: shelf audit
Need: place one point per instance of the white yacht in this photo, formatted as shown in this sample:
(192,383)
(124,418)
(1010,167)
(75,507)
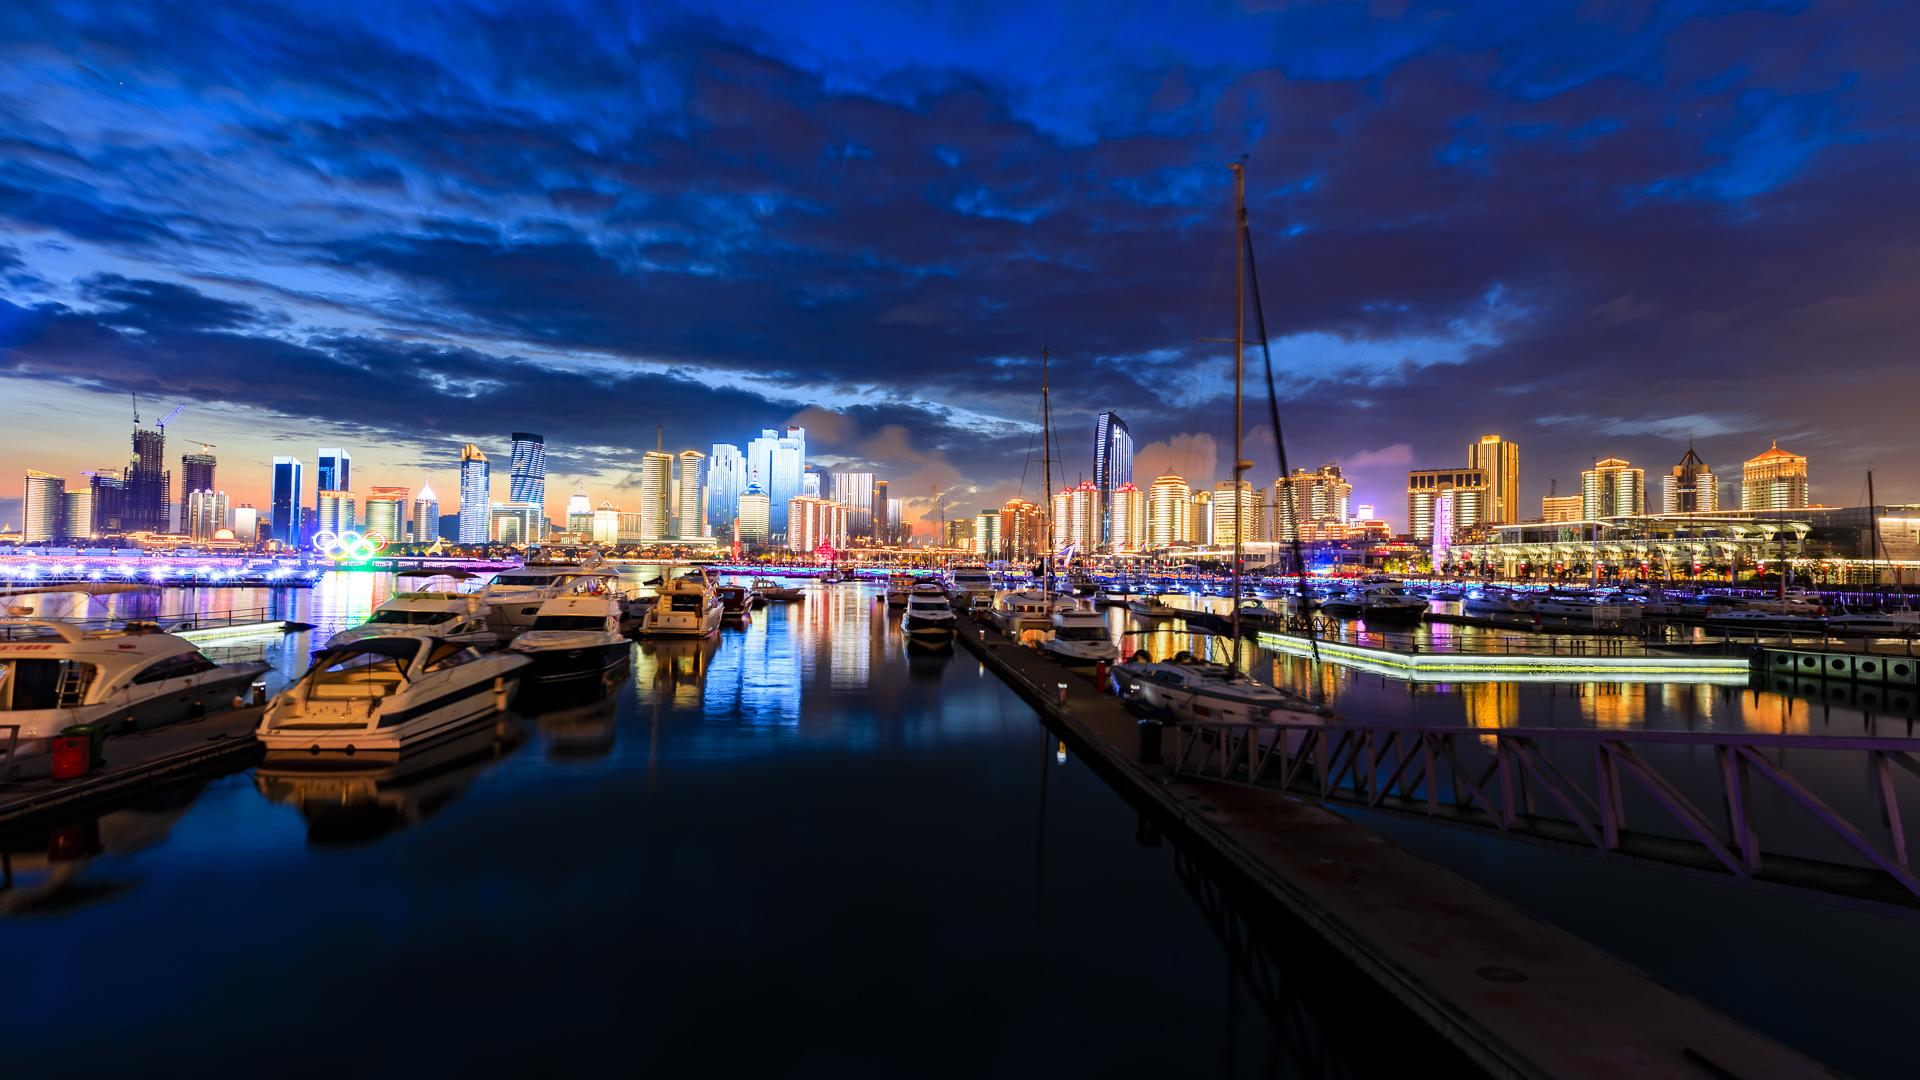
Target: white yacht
(1902,623)
(1080,637)
(929,613)
(898,586)
(457,617)
(1029,609)
(688,606)
(383,695)
(1152,607)
(575,637)
(1389,603)
(54,674)
(1190,690)
(972,586)
(773,592)
(513,597)
(1491,601)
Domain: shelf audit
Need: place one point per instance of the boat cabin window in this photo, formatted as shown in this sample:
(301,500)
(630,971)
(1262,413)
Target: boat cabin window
(35,683)
(687,602)
(359,668)
(1080,633)
(522,579)
(410,618)
(447,655)
(570,622)
(174,667)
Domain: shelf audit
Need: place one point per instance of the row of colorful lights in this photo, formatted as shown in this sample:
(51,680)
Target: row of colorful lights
(160,572)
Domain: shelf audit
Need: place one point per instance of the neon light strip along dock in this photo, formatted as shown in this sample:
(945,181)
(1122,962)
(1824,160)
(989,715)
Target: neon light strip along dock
(1455,666)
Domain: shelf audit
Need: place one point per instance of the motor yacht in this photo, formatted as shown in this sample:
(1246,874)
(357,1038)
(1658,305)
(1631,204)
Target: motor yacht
(513,597)
(1260,617)
(773,592)
(360,799)
(575,637)
(1189,690)
(971,586)
(1343,603)
(1028,609)
(1152,607)
(898,586)
(454,616)
(736,603)
(383,695)
(55,674)
(1080,637)
(688,606)
(1902,623)
(929,613)
(1496,602)
(1389,603)
(1747,622)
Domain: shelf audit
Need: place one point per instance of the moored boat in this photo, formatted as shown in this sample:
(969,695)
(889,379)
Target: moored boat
(575,637)
(929,613)
(383,695)
(687,606)
(1080,637)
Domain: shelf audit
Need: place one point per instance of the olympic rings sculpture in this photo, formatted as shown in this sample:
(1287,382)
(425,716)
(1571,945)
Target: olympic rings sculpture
(348,545)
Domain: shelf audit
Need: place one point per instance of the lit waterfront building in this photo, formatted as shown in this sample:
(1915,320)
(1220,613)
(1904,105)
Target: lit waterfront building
(789,465)
(109,491)
(813,522)
(1169,512)
(43,509)
(246,524)
(726,479)
(1127,520)
(692,500)
(1200,519)
(514,522)
(955,533)
(985,541)
(196,470)
(386,514)
(1365,512)
(756,514)
(527,474)
(1022,531)
(1775,480)
(332,512)
(1467,489)
(880,502)
(1499,460)
(426,516)
(855,489)
(149,485)
(1239,510)
(1319,501)
(1076,518)
(1112,466)
(1690,488)
(1557,508)
(205,515)
(476,494)
(656,493)
(77,513)
(813,481)
(1612,488)
(897,531)
(285,518)
(580,513)
(604,524)
(333,469)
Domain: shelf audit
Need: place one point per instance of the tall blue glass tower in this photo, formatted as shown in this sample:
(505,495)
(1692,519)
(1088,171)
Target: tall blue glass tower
(1112,464)
(288,524)
(475,490)
(527,471)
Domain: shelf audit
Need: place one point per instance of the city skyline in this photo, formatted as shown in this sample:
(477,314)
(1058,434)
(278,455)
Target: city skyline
(1563,227)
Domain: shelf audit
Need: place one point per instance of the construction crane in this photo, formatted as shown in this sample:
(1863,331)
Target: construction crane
(162,425)
(204,446)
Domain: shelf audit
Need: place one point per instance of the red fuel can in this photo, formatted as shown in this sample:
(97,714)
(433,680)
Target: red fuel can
(72,754)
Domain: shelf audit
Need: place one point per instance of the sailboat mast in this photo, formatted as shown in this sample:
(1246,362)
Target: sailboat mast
(1873,520)
(1046,485)
(1239,391)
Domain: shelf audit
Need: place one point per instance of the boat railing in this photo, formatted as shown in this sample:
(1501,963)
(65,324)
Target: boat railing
(172,624)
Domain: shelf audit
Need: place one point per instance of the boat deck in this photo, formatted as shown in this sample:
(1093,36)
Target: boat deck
(135,761)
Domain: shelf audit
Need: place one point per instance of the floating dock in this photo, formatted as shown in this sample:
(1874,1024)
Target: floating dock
(135,762)
(1515,995)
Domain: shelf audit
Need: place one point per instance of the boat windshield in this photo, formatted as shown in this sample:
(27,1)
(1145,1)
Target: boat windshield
(359,670)
(569,622)
(1081,633)
(687,602)
(410,618)
(523,579)
(34,683)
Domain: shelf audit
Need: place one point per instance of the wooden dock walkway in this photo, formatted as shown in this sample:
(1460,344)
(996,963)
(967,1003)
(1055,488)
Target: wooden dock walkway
(135,762)
(1517,996)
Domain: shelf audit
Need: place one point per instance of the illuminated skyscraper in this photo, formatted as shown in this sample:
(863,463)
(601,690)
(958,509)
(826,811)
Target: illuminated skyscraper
(726,479)
(985,541)
(1238,511)
(1500,461)
(1201,518)
(527,472)
(692,511)
(814,522)
(755,514)
(514,522)
(1112,464)
(580,514)
(1559,508)
(476,496)
(1076,519)
(205,514)
(78,514)
(1775,480)
(1612,488)
(385,515)
(1169,513)
(1467,487)
(1690,488)
(882,525)
(333,512)
(426,516)
(1022,533)
(1318,502)
(1127,520)
(855,489)
(149,486)
(286,523)
(656,487)
(44,508)
(333,470)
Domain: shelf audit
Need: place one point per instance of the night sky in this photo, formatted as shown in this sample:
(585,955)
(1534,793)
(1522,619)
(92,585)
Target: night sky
(1595,228)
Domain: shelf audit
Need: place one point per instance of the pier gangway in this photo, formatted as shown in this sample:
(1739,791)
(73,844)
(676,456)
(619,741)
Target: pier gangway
(1699,800)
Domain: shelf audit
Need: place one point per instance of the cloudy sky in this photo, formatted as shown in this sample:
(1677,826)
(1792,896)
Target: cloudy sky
(1596,228)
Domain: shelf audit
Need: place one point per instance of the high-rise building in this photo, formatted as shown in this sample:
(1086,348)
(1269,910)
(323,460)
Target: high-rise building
(206,514)
(515,522)
(656,489)
(985,541)
(246,524)
(726,479)
(814,482)
(333,512)
(1127,520)
(1467,489)
(897,521)
(426,516)
(333,470)
(580,514)
(1076,519)
(1558,508)
(1239,510)
(882,523)
(43,510)
(606,524)
(286,523)
(109,502)
(955,533)
(196,471)
(1200,518)
(1022,532)
(1500,461)
(1316,502)
(756,514)
(1612,488)
(855,489)
(1775,480)
(527,474)
(692,513)
(78,512)
(813,523)
(149,485)
(1112,465)
(1169,513)
(1690,488)
(386,516)
(476,496)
